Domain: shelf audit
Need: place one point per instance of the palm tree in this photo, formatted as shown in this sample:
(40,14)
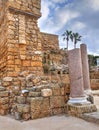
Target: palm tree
(66,35)
(75,37)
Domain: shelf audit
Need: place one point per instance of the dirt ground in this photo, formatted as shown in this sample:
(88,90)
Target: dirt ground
(52,123)
(62,122)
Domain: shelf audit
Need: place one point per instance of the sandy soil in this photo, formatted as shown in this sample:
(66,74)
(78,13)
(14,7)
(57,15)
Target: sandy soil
(61,122)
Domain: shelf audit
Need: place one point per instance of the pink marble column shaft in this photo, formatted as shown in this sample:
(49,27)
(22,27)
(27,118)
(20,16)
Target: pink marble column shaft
(75,72)
(85,67)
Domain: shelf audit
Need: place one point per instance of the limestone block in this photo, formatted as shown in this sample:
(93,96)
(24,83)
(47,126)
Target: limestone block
(46,92)
(56,90)
(62,91)
(2,88)
(57,101)
(30,77)
(34,94)
(57,111)
(3,112)
(23,108)
(26,116)
(26,63)
(4,94)
(40,107)
(5,106)
(4,100)
(36,80)
(40,87)
(7,81)
(29,84)
(21,100)
(5,84)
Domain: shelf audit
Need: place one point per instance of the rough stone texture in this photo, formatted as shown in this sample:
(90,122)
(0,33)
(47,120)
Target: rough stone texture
(56,90)
(85,67)
(76,76)
(4,94)
(46,92)
(23,108)
(57,101)
(94,80)
(22,38)
(50,42)
(78,110)
(40,107)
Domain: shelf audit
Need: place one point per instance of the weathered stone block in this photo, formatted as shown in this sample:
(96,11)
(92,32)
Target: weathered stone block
(56,90)
(40,87)
(5,106)
(26,63)
(57,101)
(62,91)
(8,79)
(4,100)
(2,88)
(21,100)
(57,111)
(26,116)
(46,92)
(40,107)
(34,94)
(3,112)
(23,108)
(4,94)
(29,84)
(6,83)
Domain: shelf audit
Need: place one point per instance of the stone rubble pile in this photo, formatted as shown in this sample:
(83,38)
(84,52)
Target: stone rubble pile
(34,97)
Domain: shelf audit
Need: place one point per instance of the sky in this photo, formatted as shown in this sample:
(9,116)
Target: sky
(80,16)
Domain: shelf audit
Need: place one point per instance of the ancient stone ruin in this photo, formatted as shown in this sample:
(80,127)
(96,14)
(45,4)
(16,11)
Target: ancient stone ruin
(25,91)
(80,91)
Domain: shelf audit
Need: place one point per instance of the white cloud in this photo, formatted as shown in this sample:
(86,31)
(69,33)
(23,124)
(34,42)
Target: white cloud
(45,12)
(77,15)
(77,26)
(95,4)
(59,1)
(57,20)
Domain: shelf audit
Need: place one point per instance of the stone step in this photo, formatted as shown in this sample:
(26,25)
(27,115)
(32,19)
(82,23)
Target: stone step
(91,117)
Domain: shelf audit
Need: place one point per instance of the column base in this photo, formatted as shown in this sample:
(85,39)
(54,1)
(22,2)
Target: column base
(79,110)
(80,100)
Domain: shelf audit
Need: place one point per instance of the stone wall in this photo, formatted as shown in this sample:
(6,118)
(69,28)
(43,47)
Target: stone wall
(36,97)
(50,42)
(94,76)
(21,46)
(3,39)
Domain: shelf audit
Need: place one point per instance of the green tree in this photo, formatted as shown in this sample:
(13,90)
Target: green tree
(75,37)
(66,36)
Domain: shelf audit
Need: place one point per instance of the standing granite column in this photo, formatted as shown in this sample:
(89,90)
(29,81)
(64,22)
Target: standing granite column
(76,77)
(85,68)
